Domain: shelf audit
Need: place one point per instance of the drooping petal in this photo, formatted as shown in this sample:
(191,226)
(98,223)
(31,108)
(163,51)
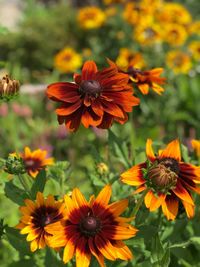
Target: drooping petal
(189,209)
(122,251)
(104,246)
(116,208)
(170,207)
(182,193)
(83,256)
(95,252)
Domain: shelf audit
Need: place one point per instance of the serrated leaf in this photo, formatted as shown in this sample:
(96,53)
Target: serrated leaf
(39,183)
(14,193)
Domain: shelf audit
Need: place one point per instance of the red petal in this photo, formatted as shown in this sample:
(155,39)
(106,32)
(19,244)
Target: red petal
(89,70)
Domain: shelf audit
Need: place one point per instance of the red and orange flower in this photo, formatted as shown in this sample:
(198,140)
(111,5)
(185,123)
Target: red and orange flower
(92,228)
(147,79)
(36,215)
(35,161)
(97,98)
(168,180)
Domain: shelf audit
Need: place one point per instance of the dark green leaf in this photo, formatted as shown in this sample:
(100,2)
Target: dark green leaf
(15,193)
(17,240)
(39,183)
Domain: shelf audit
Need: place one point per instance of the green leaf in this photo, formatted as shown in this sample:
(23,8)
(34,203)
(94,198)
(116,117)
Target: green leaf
(17,240)
(39,183)
(15,193)
(166,258)
(157,250)
(22,263)
(52,260)
(119,148)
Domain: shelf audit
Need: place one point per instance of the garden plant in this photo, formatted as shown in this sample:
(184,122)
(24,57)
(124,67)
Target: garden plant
(100,134)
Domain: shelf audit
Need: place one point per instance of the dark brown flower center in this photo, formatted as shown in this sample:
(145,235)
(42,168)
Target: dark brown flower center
(91,88)
(45,220)
(170,163)
(32,164)
(90,226)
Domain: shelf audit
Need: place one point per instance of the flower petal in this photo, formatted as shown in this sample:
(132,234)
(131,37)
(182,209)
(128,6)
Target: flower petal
(134,175)
(170,207)
(149,150)
(89,70)
(172,151)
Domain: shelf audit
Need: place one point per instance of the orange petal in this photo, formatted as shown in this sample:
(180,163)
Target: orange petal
(116,208)
(122,251)
(172,151)
(189,209)
(182,193)
(105,247)
(133,176)
(34,245)
(69,250)
(104,196)
(149,150)
(96,253)
(144,88)
(89,70)
(170,208)
(82,256)
(78,198)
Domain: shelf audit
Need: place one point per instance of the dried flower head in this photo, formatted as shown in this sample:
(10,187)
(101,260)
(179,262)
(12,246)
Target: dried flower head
(8,88)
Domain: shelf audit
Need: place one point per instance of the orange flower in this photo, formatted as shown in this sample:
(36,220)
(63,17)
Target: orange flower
(35,216)
(97,98)
(92,228)
(168,179)
(147,79)
(196,147)
(35,161)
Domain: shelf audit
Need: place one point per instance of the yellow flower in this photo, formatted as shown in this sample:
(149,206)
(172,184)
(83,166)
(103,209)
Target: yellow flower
(194,27)
(35,161)
(196,147)
(128,58)
(178,61)
(194,48)
(174,13)
(109,2)
(134,14)
(91,17)
(148,34)
(36,215)
(175,34)
(67,60)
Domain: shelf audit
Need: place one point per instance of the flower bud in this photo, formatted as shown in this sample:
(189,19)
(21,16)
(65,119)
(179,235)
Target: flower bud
(102,168)
(162,178)
(14,164)
(8,88)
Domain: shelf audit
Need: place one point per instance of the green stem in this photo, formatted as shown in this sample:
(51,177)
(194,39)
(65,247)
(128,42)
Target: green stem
(139,203)
(132,136)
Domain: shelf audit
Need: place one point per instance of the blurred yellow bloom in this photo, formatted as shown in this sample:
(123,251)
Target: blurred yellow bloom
(174,13)
(196,147)
(128,58)
(67,60)
(148,35)
(194,27)
(134,13)
(178,61)
(111,11)
(175,34)
(194,48)
(109,2)
(91,17)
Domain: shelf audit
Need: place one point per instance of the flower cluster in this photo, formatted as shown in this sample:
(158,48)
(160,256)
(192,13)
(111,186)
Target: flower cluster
(82,228)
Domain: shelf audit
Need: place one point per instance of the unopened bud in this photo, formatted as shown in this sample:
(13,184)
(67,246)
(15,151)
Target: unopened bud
(102,168)
(14,164)
(8,88)
(162,178)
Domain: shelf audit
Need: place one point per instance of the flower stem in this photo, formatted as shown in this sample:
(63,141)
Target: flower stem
(132,136)
(139,202)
